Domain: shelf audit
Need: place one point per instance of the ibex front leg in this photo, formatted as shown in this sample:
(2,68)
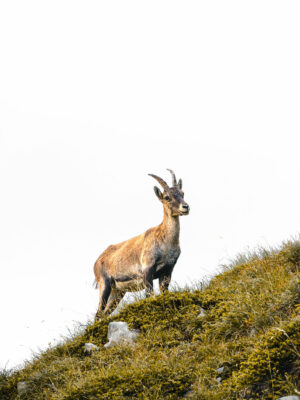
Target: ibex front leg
(148,280)
(164,282)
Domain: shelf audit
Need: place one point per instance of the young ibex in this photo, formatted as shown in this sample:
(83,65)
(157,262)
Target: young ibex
(132,265)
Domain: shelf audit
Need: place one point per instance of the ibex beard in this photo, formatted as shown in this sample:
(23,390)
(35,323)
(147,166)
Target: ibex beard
(134,264)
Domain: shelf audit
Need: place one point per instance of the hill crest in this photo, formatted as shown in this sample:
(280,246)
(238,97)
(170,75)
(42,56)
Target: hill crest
(238,337)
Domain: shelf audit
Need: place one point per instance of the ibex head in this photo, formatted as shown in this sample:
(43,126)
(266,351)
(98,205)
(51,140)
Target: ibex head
(172,197)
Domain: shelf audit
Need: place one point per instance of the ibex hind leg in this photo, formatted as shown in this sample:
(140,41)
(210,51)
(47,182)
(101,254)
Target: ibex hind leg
(114,299)
(105,287)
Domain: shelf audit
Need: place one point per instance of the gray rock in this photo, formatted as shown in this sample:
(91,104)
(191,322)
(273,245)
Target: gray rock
(119,333)
(289,398)
(188,394)
(90,347)
(202,313)
(22,387)
(252,332)
(220,370)
(36,376)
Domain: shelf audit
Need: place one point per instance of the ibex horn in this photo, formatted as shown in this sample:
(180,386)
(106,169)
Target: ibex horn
(161,181)
(174,183)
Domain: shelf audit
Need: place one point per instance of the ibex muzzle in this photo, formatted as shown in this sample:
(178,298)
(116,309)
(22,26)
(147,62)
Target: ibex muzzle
(133,264)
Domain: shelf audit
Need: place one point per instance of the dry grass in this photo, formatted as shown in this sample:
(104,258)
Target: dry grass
(251,327)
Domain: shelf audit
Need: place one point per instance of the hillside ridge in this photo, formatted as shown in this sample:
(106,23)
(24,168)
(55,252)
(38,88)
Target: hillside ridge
(235,337)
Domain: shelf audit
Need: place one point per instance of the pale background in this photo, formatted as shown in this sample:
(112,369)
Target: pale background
(94,96)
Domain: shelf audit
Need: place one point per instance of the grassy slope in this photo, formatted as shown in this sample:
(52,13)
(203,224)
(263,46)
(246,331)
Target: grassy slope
(251,327)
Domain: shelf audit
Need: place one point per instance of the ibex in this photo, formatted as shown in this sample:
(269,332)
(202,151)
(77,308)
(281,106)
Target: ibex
(132,265)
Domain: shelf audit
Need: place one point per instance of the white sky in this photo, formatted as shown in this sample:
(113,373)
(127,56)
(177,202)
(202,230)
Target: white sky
(96,95)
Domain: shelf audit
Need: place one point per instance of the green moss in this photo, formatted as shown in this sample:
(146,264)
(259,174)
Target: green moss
(159,377)
(250,327)
(291,252)
(276,356)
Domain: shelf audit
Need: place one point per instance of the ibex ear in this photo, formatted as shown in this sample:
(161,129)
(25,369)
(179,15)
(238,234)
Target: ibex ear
(180,184)
(158,193)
